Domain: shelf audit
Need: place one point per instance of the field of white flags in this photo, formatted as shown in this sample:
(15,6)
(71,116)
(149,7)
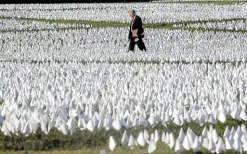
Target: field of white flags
(150,12)
(67,80)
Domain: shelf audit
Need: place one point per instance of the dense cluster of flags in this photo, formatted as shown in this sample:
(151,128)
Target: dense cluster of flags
(150,12)
(84,79)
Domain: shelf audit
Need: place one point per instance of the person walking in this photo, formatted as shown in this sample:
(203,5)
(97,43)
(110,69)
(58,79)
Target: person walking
(136,32)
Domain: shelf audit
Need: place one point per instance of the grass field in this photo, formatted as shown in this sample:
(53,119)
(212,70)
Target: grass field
(161,148)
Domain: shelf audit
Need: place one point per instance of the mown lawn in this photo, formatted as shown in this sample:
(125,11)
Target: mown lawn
(161,148)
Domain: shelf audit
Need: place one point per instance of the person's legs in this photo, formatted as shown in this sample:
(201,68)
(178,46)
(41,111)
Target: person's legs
(141,45)
(132,44)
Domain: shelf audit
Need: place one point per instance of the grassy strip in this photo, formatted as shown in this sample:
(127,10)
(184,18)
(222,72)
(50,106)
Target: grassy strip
(119,24)
(55,140)
(68,21)
(171,24)
(161,148)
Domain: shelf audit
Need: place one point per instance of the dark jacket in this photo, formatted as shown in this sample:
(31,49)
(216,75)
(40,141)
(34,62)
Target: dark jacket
(137,24)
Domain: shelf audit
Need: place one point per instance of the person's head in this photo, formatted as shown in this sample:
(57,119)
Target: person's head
(132,13)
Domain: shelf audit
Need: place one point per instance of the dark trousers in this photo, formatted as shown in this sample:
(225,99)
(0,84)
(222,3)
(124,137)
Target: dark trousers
(139,43)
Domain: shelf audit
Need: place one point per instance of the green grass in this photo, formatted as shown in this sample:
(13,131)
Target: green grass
(118,24)
(96,24)
(171,24)
(161,149)
(67,21)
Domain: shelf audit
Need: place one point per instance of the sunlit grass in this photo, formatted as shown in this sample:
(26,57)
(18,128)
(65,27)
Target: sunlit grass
(102,24)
